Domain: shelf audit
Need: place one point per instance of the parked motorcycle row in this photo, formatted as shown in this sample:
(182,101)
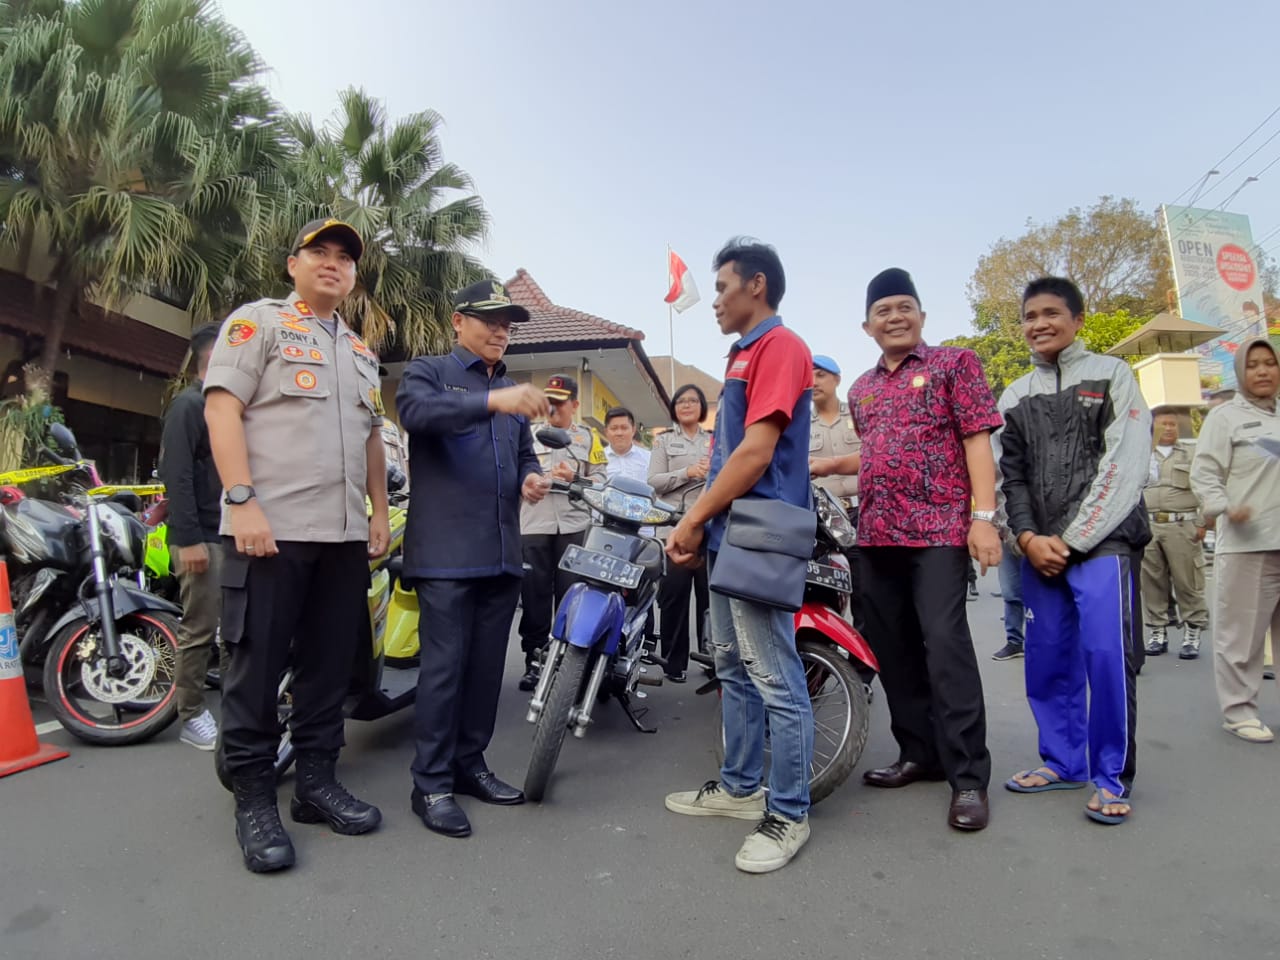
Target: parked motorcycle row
(93,593)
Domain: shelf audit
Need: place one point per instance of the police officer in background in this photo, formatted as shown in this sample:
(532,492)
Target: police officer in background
(550,525)
(1173,562)
(678,469)
(471,458)
(294,409)
(832,435)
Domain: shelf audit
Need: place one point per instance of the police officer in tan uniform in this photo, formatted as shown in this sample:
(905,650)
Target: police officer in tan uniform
(832,435)
(294,410)
(678,469)
(553,523)
(1173,562)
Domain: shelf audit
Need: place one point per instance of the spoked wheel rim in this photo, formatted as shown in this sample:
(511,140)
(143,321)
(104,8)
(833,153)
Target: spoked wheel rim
(99,700)
(832,702)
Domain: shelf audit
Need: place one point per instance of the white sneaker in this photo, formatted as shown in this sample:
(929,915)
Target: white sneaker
(201,731)
(713,801)
(772,844)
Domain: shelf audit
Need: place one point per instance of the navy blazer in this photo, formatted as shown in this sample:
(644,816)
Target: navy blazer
(467,467)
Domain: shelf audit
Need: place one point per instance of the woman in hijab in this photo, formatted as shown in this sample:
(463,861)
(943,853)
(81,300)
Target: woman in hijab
(677,472)
(1236,475)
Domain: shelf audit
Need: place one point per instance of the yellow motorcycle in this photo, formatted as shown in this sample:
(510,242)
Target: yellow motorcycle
(385,676)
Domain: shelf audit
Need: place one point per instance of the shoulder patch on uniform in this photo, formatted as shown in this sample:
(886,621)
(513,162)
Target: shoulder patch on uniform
(375,400)
(240,331)
(597,456)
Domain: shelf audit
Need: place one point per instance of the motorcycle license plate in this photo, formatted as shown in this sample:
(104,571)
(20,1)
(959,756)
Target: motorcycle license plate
(827,575)
(602,567)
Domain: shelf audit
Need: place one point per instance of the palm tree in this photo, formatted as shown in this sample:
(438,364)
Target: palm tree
(391,183)
(135,148)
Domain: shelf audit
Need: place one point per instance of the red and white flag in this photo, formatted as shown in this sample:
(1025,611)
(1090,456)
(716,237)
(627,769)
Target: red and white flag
(684,292)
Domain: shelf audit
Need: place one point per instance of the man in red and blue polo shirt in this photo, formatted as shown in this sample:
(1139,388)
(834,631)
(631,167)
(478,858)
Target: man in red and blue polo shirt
(927,504)
(761,449)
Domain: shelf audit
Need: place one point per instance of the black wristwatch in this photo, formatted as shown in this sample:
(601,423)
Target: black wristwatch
(239,494)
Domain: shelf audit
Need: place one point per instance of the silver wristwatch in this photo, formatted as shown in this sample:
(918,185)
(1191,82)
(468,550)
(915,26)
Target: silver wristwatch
(987,515)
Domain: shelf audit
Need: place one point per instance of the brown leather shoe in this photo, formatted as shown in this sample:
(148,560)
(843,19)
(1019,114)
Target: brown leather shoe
(969,810)
(901,774)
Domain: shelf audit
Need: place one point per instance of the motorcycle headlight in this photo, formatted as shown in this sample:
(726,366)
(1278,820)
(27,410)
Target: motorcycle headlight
(115,530)
(834,520)
(625,506)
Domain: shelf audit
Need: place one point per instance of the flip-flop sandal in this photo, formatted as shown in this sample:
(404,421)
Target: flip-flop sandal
(1055,782)
(1251,731)
(1110,819)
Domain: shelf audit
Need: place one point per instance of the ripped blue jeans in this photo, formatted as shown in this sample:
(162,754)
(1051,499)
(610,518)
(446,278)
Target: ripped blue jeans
(762,681)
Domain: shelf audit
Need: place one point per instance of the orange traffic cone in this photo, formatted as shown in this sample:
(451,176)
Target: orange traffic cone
(19,748)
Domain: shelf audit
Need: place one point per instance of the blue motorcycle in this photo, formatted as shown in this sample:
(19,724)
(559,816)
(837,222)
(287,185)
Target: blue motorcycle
(597,647)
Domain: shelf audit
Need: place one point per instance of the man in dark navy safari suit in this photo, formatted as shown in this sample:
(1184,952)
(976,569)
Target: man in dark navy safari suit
(472,461)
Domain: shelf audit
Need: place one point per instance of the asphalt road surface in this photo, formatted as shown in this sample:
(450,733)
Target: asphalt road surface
(130,853)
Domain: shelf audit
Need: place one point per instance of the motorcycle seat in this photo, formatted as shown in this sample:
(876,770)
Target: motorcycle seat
(127,499)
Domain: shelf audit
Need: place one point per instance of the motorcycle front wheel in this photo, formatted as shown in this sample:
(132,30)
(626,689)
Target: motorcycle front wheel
(98,707)
(841,717)
(553,721)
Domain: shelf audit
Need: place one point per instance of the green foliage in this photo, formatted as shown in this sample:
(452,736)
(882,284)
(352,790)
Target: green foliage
(1102,331)
(139,150)
(24,421)
(134,146)
(1115,253)
(416,213)
(1005,355)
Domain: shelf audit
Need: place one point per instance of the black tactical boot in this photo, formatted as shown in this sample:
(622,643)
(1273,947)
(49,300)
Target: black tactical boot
(318,797)
(263,840)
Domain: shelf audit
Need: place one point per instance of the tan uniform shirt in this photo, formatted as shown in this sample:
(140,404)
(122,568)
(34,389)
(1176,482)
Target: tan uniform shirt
(838,439)
(555,513)
(1168,488)
(673,454)
(310,402)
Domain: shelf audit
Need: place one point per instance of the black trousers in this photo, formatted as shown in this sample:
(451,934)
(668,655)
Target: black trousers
(673,604)
(463,627)
(544,585)
(308,604)
(914,603)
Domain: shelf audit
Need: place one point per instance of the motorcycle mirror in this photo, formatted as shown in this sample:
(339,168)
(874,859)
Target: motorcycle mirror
(395,478)
(554,437)
(63,438)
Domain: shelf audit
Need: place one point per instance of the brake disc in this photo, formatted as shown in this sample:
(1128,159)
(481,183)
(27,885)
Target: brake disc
(140,671)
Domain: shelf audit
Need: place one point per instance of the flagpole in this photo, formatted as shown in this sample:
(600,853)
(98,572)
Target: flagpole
(671,339)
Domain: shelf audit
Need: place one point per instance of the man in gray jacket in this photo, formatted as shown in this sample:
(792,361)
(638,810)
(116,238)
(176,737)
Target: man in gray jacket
(1236,475)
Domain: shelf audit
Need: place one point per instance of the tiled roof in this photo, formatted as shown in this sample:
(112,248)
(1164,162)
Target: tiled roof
(551,323)
(94,331)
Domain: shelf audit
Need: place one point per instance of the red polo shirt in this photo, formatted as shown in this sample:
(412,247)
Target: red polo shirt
(913,487)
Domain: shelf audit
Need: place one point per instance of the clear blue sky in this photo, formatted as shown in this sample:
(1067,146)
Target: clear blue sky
(849,136)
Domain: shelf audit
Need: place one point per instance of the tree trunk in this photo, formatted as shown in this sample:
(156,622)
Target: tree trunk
(64,298)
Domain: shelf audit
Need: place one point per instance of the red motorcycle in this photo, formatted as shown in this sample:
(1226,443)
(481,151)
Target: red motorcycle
(839,665)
